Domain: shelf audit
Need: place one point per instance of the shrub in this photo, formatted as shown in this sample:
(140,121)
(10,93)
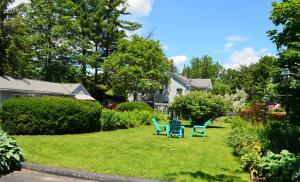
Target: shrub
(243,137)
(112,120)
(10,154)
(237,100)
(199,106)
(281,167)
(50,115)
(275,133)
(109,120)
(130,106)
(256,113)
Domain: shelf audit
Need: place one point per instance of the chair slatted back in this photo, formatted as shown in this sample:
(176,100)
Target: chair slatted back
(175,126)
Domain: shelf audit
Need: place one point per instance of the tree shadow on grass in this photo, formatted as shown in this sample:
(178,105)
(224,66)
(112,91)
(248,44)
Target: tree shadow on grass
(215,127)
(200,175)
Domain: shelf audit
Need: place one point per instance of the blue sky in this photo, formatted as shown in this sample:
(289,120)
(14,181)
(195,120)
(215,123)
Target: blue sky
(233,32)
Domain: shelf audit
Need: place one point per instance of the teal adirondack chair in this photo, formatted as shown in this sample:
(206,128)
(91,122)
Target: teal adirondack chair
(158,127)
(176,128)
(200,129)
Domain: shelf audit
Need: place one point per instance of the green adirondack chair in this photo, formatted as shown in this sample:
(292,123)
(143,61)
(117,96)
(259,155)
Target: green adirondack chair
(176,128)
(200,129)
(158,127)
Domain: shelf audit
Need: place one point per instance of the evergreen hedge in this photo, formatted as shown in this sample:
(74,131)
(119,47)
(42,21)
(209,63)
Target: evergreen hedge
(50,115)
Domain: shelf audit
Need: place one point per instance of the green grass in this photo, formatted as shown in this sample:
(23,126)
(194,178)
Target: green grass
(139,153)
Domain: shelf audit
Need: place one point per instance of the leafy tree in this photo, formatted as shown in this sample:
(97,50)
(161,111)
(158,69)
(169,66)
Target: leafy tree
(137,65)
(4,13)
(261,74)
(173,67)
(220,88)
(203,68)
(285,15)
(231,77)
(85,52)
(53,38)
(18,52)
(108,28)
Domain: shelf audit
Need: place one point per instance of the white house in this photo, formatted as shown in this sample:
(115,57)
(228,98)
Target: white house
(179,85)
(11,87)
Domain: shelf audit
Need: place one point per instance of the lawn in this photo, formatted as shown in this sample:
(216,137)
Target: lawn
(138,152)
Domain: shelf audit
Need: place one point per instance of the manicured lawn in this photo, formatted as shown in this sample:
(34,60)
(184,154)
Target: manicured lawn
(138,153)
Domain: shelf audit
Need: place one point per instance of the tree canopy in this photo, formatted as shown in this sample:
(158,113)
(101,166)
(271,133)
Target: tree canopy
(285,15)
(137,66)
(203,67)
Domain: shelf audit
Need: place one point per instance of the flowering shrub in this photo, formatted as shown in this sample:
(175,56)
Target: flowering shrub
(251,144)
(237,100)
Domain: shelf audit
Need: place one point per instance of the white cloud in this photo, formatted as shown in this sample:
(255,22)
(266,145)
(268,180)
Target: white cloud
(236,38)
(140,7)
(245,57)
(228,45)
(178,60)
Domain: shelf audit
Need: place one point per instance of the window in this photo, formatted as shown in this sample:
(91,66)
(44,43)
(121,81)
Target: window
(179,91)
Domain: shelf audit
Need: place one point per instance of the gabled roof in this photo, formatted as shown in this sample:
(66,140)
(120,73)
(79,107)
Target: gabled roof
(31,86)
(196,83)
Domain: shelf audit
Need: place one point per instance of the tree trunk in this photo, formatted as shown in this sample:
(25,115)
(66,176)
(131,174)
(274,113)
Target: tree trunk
(96,67)
(83,69)
(135,96)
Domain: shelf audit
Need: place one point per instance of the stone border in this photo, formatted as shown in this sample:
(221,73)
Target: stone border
(83,175)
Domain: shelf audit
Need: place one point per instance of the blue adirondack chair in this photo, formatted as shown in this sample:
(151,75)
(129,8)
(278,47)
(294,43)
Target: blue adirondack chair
(158,127)
(176,128)
(200,129)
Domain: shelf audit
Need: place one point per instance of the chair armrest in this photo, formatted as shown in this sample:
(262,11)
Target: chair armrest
(199,126)
(182,127)
(164,125)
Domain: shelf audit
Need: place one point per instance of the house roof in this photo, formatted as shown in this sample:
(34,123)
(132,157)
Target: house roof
(197,83)
(24,85)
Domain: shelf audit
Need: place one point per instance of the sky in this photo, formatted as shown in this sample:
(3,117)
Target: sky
(232,32)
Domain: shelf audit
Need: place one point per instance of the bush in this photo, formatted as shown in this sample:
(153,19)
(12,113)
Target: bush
(50,115)
(256,113)
(275,133)
(243,137)
(281,167)
(10,154)
(130,106)
(250,143)
(237,100)
(199,106)
(112,120)
(109,120)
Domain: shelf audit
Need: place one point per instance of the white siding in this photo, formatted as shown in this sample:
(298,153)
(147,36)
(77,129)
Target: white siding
(174,85)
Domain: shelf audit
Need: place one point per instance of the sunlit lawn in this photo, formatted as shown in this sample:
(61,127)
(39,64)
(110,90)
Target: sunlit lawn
(139,153)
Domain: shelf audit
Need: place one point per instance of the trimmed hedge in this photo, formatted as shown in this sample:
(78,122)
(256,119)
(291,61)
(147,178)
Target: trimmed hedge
(50,115)
(199,106)
(10,154)
(130,106)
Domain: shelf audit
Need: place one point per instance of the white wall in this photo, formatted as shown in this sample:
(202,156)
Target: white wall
(173,86)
